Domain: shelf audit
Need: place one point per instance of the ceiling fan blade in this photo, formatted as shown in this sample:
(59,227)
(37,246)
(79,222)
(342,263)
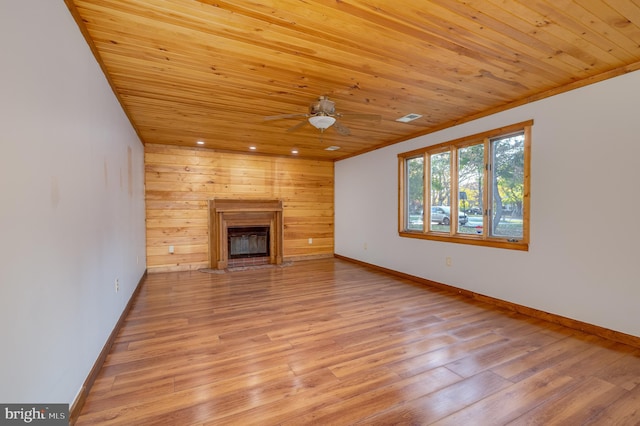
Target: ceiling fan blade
(342,129)
(283,116)
(357,116)
(297,126)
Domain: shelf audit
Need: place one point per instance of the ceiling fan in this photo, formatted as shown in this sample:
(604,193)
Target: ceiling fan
(322,115)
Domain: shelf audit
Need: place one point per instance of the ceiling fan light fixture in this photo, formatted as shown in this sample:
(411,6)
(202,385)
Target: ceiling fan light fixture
(321,121)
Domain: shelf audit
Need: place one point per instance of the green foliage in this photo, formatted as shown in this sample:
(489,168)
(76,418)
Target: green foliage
(471,173)
(441,179)
(508,185)
(415,169)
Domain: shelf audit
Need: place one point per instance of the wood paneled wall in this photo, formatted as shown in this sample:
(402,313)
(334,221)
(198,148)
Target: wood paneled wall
(180,181)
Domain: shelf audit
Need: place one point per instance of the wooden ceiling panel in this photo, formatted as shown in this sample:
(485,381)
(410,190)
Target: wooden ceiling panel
(211,70)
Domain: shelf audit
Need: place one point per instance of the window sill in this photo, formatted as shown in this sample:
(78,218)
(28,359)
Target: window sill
(471,240)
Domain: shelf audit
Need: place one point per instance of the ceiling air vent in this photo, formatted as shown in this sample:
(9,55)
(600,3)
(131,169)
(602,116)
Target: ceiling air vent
(409,117)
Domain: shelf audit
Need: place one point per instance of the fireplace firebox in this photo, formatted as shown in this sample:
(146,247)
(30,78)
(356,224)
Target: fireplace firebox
(248,241)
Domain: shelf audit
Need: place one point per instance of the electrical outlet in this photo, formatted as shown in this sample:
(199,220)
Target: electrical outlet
(310,240)
(448,261)
(365,246)
(171,249)
(117,285)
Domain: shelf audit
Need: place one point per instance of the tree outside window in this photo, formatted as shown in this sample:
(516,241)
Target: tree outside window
(440,180)
(507,190)
(415,193)
(471,166)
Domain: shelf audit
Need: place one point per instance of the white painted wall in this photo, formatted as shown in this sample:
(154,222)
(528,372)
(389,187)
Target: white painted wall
(72,205)
(585,210)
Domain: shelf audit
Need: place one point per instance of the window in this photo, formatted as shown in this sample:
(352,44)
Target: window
(473,190)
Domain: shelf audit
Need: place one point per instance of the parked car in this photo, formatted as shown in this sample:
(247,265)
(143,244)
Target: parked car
(442,215)
(474,210)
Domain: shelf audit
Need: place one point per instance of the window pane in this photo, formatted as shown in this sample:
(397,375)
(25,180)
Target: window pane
(507,190)
(470,189)
(415,193)
(440,218)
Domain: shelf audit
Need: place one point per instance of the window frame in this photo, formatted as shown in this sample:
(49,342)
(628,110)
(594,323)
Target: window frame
(453,236)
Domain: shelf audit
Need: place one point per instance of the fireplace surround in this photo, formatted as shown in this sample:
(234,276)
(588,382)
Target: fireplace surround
(229,213)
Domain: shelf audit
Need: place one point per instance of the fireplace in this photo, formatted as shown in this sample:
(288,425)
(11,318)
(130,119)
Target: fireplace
(245,230)
(248,241)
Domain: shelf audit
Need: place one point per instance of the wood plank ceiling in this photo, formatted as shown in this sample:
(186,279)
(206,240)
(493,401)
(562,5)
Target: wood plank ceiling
(211,70)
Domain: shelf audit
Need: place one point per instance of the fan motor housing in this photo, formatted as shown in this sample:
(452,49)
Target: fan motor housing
(322,106)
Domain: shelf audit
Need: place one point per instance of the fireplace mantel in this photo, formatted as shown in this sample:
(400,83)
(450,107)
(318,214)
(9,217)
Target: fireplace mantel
(225,213)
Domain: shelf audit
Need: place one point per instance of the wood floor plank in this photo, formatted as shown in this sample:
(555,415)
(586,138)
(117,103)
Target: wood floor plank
(586,354)
(514,401)
(332,342)
(623,411)
(579,406)
(361,404)
(498,354)
(625,371)
(440,403)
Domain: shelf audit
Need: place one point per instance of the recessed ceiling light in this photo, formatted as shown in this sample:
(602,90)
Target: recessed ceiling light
(252,148)
(409,117)
(200,143)
(332,148)
(294,151)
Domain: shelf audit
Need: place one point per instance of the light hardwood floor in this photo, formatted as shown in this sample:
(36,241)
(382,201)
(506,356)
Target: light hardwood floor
(332,342)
